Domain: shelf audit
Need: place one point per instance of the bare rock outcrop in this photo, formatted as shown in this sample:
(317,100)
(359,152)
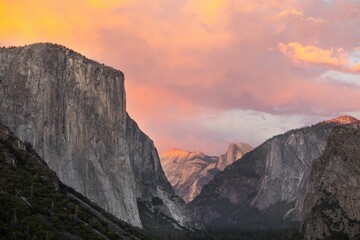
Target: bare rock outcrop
(266,189)
(234,152)
(332,205)
(73,111)
(189,171)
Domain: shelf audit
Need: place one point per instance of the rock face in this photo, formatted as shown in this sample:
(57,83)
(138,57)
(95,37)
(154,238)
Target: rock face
(235,152)
(332,204)
(343,120)
(73,111)
(35,204)
(188,171)
(266,189)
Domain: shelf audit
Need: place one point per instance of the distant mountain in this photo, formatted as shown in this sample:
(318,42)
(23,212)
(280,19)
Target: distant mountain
(266,189)
(188,171)
(332,205)
(36,205)
(73,111)
(343,120)
(234,152)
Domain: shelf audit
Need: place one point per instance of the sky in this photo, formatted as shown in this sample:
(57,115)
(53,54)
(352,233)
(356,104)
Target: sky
(202,73)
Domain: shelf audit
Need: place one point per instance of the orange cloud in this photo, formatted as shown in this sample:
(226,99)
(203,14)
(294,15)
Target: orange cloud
(187,58)
(357,67)
(311,54)
(290,12)
(72,23)
(210,12)
(108,4)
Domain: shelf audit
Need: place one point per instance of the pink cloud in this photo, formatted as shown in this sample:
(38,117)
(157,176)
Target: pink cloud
(298,14)
(335,58)
(185,59)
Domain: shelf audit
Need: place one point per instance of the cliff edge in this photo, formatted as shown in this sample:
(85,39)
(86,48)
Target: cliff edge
(73,111)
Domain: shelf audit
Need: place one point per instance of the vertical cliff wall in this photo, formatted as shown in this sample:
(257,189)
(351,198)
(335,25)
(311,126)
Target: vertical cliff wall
(266,189)
(234,152)
(188,171)
(73,111)
(332,204)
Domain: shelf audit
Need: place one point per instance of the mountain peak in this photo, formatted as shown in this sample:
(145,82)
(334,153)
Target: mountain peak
(180,153)
(57,77)
(344,119)
(239,146)
(235,151)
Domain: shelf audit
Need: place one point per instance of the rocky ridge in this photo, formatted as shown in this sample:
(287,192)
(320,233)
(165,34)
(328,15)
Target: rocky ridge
(332,205)
(73,111)
(36,205)
(234,152)
(266,189)
(189,171)
(343,120)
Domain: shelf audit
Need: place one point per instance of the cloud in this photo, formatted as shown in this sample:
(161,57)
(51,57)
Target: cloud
(316,20)
(290,12)
(247,125)
(299,54)
(186,60)
(341,78)
(298,14)
(109,4)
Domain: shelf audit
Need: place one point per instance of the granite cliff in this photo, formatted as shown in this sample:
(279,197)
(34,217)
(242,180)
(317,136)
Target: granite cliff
(188,171)
(234,152)
(36,205)
(332,205)
(73,111)
(266,189)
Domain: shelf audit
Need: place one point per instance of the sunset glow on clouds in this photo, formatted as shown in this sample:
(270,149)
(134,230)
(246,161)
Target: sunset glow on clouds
(201,73)
(337,58)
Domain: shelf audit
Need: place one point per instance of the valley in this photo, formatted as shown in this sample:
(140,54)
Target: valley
(75,165)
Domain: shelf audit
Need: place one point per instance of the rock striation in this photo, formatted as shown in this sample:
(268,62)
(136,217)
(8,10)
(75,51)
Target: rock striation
(266,189)
(36,205)
(188,171)
(73,111)
(332,205)
(234,152)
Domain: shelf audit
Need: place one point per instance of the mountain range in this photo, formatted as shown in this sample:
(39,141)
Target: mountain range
(332,204)
(72,110)
(267,189)
(75,165)
(188,171)
(35,204)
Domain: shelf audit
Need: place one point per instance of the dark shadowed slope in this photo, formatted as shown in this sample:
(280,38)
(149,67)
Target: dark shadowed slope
(73,111)
(36,205)
(266,189)
(332,204)
(188,171)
